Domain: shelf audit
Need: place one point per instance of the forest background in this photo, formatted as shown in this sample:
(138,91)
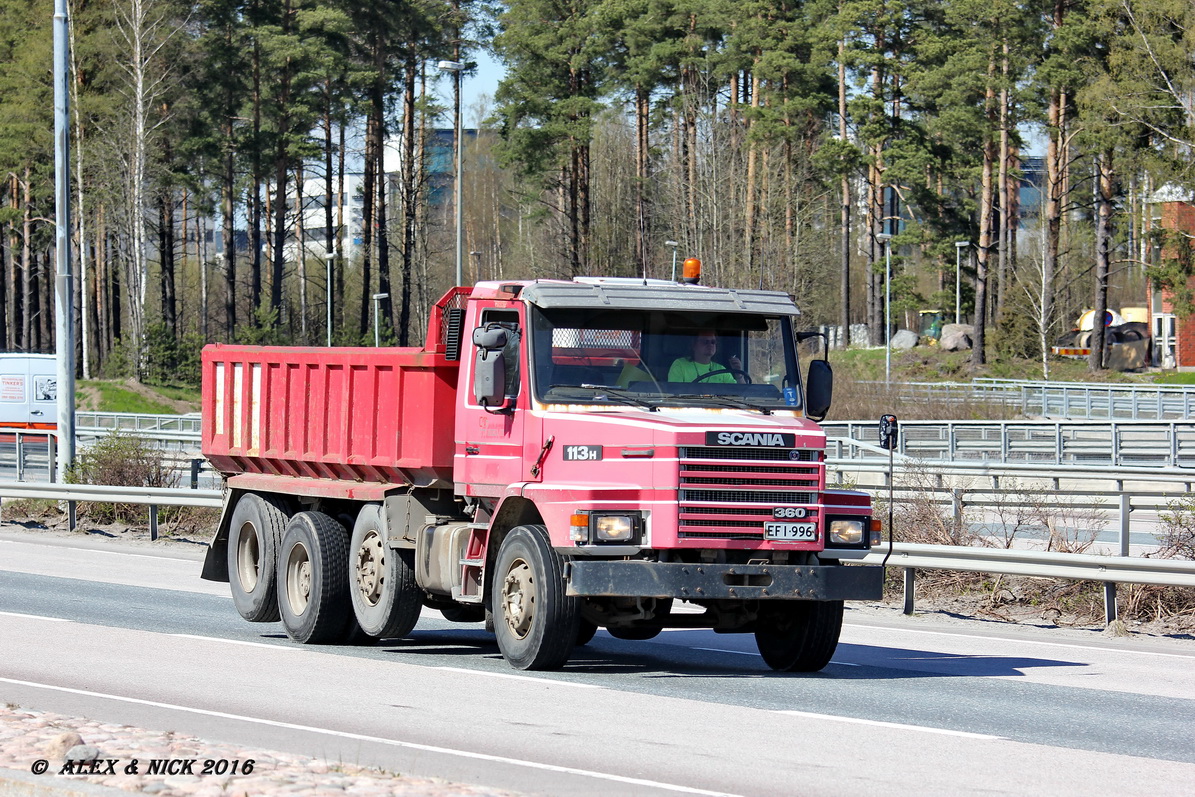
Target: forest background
(779,141)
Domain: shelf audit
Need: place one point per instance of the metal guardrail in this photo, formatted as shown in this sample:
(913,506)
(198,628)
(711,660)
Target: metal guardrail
(153,497)
(1110,570)
(1117,443)
(1076,400)
(138,422)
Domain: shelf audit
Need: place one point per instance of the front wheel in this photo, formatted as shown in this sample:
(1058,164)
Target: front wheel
(535,622)
(798,636)
(386,599)
(313,579)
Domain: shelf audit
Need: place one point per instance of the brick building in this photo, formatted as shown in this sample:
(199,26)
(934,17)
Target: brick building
(1180,216)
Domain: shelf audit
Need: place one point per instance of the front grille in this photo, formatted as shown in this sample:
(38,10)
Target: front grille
(729,493)
(761,454)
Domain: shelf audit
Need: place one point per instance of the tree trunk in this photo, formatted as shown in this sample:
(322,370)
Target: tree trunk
(642,178)
(844,315)
(986,201)
(1105,177)
(410,187)
(1003,193)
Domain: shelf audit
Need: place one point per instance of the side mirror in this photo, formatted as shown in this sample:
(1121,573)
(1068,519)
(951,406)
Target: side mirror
(489,378)
(819,390)
(489,368)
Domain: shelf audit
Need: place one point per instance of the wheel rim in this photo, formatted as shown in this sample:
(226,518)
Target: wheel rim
(518,598)
(298,579)
(248,557)
(371,563)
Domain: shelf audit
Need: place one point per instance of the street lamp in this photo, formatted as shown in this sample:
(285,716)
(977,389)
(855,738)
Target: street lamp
(458,153)
(476,265)
(958,250)
(329,256)
(377,298)
(886,239)
(673,244)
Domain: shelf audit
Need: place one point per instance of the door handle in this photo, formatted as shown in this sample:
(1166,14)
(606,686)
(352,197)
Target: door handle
(472,450)
(36,412)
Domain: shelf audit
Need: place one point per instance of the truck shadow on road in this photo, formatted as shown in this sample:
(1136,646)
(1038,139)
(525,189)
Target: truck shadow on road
(657,659)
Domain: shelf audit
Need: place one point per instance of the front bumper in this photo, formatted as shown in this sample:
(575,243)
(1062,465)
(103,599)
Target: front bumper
(639,579)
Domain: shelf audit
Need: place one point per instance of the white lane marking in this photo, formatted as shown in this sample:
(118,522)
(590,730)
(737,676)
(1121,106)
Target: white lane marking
(1009,639)
(284,647)
(100,550)
(514,677)
(379,740)
(36,617)
(894,725)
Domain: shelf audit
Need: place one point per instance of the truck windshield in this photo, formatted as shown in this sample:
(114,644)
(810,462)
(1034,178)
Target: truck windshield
(658,358)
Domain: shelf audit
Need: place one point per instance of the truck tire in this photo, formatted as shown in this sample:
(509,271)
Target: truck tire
(386,599)
(798,636)
(313,581)
(535,622)
(253,537)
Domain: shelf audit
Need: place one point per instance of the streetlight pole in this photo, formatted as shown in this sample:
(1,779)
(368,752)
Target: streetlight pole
(64,313)
(886,240)
(329,256)
(673,244)
(456,68)
(958,294)
(377,298)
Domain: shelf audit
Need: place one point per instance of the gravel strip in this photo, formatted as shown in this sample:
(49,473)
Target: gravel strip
(29,737)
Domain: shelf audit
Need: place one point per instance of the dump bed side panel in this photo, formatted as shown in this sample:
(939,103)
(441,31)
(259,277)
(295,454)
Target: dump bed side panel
(354,414)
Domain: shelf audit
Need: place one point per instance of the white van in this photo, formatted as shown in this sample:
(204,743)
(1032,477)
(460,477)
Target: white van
(29,390)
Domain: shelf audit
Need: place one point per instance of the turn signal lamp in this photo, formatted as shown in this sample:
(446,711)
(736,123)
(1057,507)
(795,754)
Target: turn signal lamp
(692,271)
(578,527)
(877,532)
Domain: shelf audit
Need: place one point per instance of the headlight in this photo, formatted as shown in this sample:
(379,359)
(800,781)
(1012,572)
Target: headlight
(614,527)
(846,531)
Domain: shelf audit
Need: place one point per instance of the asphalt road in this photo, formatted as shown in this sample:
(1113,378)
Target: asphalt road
(921,705)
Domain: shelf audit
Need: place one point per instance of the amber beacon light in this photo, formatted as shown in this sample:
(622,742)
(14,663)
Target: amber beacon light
(692,271)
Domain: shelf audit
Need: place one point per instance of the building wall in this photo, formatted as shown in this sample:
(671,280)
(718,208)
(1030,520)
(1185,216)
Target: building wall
(1180,216)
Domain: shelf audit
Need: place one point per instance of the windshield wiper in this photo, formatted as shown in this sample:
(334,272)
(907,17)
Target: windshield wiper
(727,401)
(615,393)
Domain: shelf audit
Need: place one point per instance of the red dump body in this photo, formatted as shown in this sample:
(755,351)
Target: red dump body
(380,416)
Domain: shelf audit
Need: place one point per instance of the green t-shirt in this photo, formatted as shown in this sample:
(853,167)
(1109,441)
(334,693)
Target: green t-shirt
(685,369)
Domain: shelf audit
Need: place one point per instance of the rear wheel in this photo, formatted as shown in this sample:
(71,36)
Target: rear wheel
(535,622)
(798,636)
(386,600)
(256,530)
(462,613)
(313,579)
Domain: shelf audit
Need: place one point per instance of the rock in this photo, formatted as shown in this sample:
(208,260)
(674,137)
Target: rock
(904,339)
(58,747)
(82,752)
(956,341)
(950,329)
(859,335)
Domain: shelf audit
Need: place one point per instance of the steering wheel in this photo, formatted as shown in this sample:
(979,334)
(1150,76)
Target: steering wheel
(708,374)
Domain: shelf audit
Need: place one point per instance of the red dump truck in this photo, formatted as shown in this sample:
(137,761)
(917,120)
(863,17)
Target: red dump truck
(559,456)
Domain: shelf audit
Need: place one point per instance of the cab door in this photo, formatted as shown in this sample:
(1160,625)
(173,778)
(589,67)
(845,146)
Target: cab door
(490,447)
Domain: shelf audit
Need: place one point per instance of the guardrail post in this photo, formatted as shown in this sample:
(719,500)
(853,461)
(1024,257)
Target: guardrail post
(195,466)
(153,521)
(910,589)
(20,459)
(957,502)
(1126,508)
(1109,602)
(72,515)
